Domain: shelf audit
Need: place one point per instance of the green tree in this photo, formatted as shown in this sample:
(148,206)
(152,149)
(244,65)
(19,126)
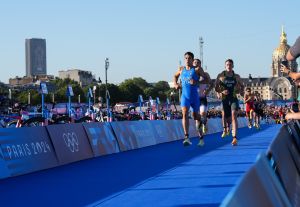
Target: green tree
(140,82)
(113,89)
(162,88)
(130,91)
(150,91)
(115,93)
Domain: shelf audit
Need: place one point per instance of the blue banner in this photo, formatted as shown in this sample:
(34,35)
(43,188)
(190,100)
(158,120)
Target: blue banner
(70,142)
(162,132)
(175,128)
(125,136)
(143,133)
(132,134)
(27,149)
(138,134)
(193,132)
(4,172)
(101,138)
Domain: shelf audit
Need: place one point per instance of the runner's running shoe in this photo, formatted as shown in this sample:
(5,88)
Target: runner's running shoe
(234,141)
(186,142)
(201,142)
(224,134)
(258,127)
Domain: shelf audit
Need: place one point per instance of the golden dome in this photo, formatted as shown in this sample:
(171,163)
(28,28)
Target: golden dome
(283,48)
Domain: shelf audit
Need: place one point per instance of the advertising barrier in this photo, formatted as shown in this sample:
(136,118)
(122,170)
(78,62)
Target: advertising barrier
(29,149)
(4,172)
(138,134)
(163,131)
(70,142)
(124,135)
(26,150)
(133,134)
(144,135)
(215,125)
(193,132)
(175,129)
(242,122)
(101,138)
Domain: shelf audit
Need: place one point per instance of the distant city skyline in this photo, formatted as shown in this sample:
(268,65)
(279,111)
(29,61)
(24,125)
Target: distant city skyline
(145,39)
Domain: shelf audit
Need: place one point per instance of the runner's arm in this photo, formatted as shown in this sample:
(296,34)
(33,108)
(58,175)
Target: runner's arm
(246,98)
(218,87)
(175,79)
(211,84)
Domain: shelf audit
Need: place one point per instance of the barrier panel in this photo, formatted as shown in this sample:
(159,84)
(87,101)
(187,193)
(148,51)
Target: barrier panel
(4,172)
(192,129)
(286,161)
(70,142)
(214,125)
(258,187)
(161,132)
(175,129)
(242,122)
(101,138)
(138,134)
(170,130)
(133,134)
(27,149)
(294,131)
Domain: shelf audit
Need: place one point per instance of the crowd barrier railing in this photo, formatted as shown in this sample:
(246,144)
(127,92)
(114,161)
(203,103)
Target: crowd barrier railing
(101,138)
(25,150)
(280,167)
(70,142)
(259,187)
(29,149)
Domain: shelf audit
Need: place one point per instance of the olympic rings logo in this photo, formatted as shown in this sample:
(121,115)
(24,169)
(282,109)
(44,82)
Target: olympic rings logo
(71,141)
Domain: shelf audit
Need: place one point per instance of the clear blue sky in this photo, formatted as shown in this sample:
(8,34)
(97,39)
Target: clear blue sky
(145,38)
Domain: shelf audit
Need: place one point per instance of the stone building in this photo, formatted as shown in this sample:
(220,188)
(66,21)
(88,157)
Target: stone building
(278,86)
(23,81)
(84,78)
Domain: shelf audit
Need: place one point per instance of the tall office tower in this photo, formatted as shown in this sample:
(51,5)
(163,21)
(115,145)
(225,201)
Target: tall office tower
(35,57)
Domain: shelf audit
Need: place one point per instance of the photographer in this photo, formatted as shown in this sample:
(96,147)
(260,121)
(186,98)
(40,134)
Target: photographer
(293,53)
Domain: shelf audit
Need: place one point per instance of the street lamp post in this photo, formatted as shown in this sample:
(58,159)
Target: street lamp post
(99,84)
(107,96)
(9,94)
(106,68)
(94,92)
(29,98)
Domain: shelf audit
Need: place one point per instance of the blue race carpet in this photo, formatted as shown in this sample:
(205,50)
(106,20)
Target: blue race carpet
(163,175)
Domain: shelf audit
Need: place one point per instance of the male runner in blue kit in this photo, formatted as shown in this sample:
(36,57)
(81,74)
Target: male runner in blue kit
(190,98)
